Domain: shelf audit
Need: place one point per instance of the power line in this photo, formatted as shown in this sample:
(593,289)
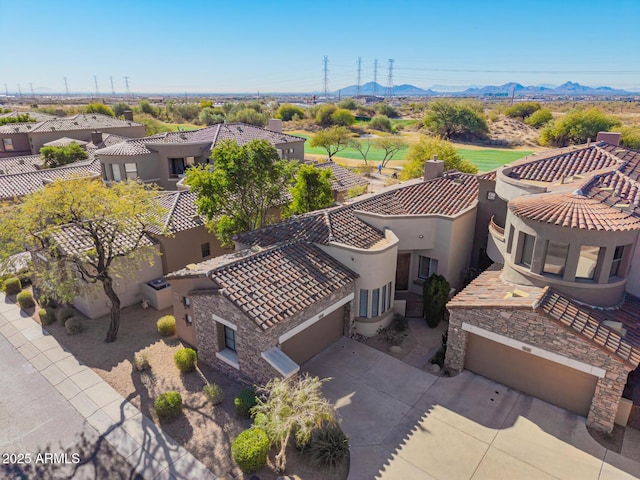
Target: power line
(19,91)
(375,77)
(95,79)
(31,88)
(126,82)
(325,82)
(66,86)
(113,90)
(359,73)
(390,79)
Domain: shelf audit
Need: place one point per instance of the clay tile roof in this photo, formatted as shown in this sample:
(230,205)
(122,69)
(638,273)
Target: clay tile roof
(20,184)
(242,133)
(630,158)
(37,116)
(271,286)
(22,164)
(488,175)
(589,322)
(108,139)
(83,121)
(342,179)
(23,127)
(448,195)
(73,240)
(63,142)
(488,290)
(573,210)
(614,188)
(126,148)
(181,211)
(564,163)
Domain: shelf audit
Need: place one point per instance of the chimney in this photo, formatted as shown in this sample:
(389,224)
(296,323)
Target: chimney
(275,125)
(612,138)
(128,115)
(96,137)
(588,142)
(433,168)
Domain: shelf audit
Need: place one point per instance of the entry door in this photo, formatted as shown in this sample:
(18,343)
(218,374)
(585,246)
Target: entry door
(402,271)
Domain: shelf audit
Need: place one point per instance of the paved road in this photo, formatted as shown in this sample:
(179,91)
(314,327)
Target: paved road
(36,419)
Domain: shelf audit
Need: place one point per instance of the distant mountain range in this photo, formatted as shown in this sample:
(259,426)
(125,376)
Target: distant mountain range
(506,90)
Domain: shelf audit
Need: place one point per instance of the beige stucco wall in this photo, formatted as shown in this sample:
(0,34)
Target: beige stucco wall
(147,165)
(94,303)
(185,248)
(20,142)
(603,291)
(633,280)
(180,288)
(509,188)
(298,150)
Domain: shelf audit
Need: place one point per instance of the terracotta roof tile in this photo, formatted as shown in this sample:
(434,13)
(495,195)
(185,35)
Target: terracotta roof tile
(589,322)
(182,212)
(343,179)
(573,210)
(557,164)
(64,141)
(21,164)
(274,284)
(73,240)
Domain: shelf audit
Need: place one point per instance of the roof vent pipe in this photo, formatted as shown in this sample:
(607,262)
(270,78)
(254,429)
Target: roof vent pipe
(588,142)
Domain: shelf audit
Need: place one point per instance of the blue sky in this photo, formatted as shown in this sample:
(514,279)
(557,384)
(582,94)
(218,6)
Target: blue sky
(278,46)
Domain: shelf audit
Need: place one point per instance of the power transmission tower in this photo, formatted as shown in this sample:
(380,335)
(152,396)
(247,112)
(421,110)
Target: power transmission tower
(359,78)
(66,86)
(325,83)
(390,79)
(19,91)
(6,90)
(95,79)
(126,82)
(31,88)
(375,77)
(113,90)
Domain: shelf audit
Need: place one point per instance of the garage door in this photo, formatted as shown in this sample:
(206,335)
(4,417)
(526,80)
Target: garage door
(315,338)
(557,384)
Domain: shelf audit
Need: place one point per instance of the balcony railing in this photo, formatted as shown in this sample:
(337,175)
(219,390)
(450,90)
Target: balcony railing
(496,229)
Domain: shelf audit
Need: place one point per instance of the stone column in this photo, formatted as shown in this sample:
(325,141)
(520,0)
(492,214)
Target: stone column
(456,343)
(604,405)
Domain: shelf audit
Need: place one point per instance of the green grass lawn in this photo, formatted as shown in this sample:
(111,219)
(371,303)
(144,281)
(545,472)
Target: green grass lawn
(486,159)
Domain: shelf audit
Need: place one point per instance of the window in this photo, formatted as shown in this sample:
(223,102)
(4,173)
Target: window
(115,170)
(491,195)
(510,240)
(587,262)
(206,249)
(428,266)
(131,170)
(528,242)
(617,260)
(7,143)
(375,302)
(384,299)
(230,338)
(176,167)
(364,303)
(188,320)
(186,301)
(556,258)
(389,294)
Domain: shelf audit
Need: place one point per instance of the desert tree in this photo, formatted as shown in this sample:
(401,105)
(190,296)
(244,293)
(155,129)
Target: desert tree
(243,187)
(57,156)
(425,149)
(577,126)
(99,108)
(333,140)
(311,191)
(452,119)
(363,146)
(390,145)
(83,233)
(291,407)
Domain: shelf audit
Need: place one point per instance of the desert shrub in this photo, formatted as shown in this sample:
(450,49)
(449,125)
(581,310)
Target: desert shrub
(213,392)
(47,302)
(250,449)
(168,405)
(47,316)
(522,110)
(380,122)
(25,299)
(328,446)
(435,294)
(141,362)
(25,277)
(12,286)
(400,323)
(74,325)
(539,118)
(167,326)
(185,360)
(245,401)
(64,313)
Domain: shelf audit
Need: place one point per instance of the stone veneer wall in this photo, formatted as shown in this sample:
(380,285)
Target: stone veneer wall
(251,341)
(534,329)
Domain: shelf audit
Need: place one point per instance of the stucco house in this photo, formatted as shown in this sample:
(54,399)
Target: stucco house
(163,158)
(416,225)
(17,139)
(557,316)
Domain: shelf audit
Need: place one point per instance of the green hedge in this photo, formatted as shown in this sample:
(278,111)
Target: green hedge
(245,401)
(12,286)
(168,405)
(25,300)
(250,449)
(185,360)
(166,326)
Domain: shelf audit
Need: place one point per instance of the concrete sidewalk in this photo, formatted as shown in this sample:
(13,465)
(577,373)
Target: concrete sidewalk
(149,452)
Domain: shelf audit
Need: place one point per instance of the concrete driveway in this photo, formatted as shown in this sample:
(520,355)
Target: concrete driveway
(406,423)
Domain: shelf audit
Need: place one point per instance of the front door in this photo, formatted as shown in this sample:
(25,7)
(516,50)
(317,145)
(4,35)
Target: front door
(402,271)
